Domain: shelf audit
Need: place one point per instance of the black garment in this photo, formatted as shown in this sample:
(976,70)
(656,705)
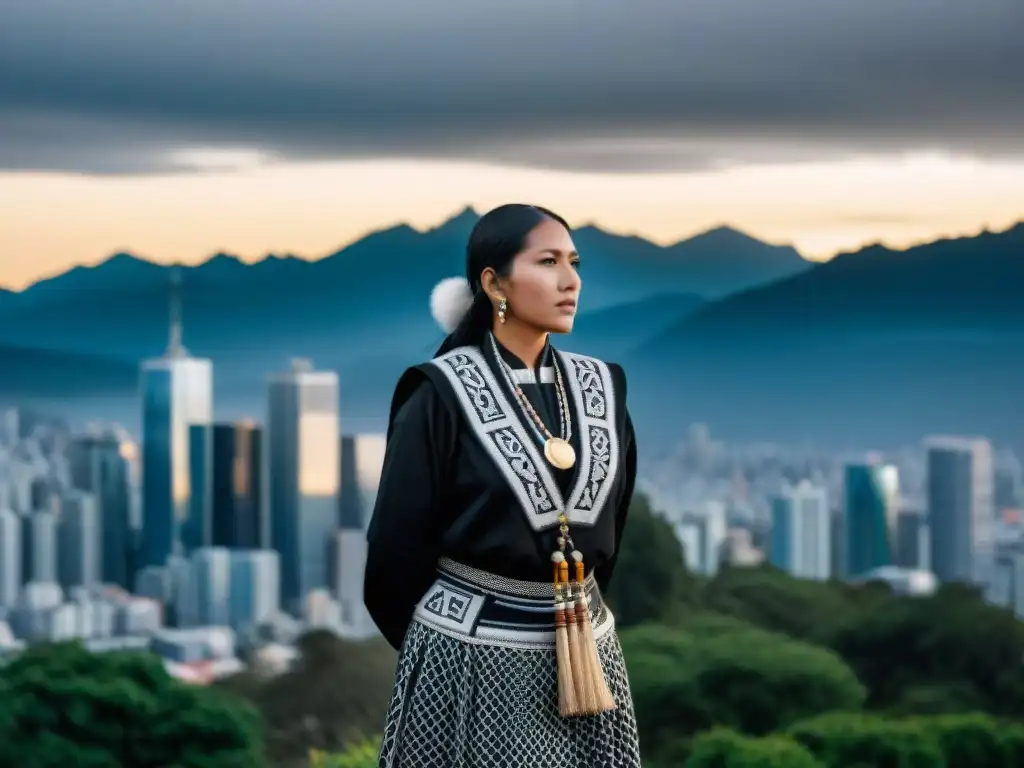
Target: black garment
(442,494)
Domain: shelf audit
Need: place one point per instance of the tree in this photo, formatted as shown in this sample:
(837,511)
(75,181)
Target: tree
(910,651)
(776,601)
(853,740)
(650,576)
(336,694)
(970,740)
(724,748)
(688,680)
(62,706)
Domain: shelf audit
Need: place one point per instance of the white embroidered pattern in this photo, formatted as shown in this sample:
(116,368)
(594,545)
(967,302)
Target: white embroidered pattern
(590,383)
(505,437)
(502,435)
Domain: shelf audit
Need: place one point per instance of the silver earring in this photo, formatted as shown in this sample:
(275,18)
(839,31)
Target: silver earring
(502,309)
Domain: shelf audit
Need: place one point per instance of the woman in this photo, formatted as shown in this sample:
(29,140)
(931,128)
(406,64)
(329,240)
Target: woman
(507,477)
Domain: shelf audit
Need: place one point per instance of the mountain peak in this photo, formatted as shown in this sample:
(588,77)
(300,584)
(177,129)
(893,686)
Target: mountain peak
(123,259)
(725,235)
(466,217)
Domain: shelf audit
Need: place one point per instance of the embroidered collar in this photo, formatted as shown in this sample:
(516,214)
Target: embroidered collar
(499,426)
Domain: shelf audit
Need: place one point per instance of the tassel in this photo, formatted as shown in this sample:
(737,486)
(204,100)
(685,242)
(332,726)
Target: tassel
(598,698)
(568,705)
(577,649)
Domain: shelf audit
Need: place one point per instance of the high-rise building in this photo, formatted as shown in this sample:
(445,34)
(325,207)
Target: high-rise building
(39,547)
(210,575)
(960,507)
(238,510)
(10,558)
(79,541)
(911,540)
(177,393)
(872,496)
(702,535)
(100,464)
(303,477)
(362,460)
(255,587)
(801,535)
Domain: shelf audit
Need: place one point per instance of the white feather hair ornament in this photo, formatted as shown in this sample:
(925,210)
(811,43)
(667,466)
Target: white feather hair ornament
(450,301)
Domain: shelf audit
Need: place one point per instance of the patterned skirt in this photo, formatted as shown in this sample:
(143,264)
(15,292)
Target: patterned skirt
(477,687)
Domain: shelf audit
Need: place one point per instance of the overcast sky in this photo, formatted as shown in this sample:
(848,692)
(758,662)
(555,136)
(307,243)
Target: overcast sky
(118,86)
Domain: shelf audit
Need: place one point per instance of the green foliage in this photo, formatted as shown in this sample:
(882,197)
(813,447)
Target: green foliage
(946,653)
(850,740)
(773,600)
(723,748)
(970,740)
(686,681)
(62,706)
(359,755)
(335,695)
(650,572)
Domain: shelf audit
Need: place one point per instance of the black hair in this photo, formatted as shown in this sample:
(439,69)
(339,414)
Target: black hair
(497,238)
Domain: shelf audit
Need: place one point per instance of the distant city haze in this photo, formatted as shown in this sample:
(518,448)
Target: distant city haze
(244,203)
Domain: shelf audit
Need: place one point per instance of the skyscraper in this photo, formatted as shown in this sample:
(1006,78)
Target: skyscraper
(362,460)
(237,492)
(10,558)
(100,465)
(801,536)
(303,465)
(177,393)
(255,587)
(79,541)
(39,547)
(960,508)
(870,515)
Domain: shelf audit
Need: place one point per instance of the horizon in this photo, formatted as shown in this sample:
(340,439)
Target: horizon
(423,228)
(824,126)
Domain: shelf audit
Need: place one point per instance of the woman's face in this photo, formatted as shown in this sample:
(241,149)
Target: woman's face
(543,287)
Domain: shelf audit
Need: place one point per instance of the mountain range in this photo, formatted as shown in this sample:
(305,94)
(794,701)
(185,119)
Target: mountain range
(877,345)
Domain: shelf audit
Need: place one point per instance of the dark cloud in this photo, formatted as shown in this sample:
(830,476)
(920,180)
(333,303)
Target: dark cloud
(112,86)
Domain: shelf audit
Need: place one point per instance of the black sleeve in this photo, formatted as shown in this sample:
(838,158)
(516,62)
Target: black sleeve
(403,538)
(603,572)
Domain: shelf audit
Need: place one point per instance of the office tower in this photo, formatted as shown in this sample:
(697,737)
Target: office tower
(362,460)
(211,582)
(872,503)
(39,547)
(255,587)
(702,535)
(10,558)
(238,514)
(911,540)
(79,541)
(303,465)
(177,393)
(801,535)
(101,465)
(960,509)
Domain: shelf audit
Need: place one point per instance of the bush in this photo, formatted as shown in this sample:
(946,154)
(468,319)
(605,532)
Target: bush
(360,755)
(970,740)
(686,681)
(62,706)
(722,748)
(846,740)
